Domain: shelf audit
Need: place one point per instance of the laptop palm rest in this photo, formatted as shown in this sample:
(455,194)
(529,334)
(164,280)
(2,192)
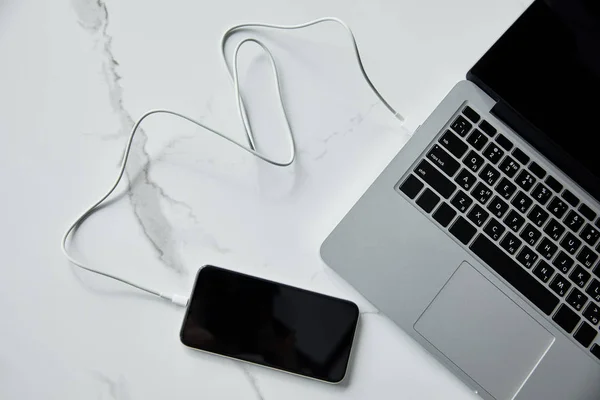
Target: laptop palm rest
(467,322)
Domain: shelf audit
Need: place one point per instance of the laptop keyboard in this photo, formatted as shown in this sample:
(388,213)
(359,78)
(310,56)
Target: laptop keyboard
(522,222)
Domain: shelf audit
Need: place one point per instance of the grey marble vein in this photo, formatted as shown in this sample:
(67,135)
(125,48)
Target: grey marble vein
(117,389)
(320,155)
(314,276)
(144,194)
(354,122)
(252,381)
(91,14)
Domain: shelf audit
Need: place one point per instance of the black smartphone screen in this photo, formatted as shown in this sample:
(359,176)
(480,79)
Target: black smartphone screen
(271,324)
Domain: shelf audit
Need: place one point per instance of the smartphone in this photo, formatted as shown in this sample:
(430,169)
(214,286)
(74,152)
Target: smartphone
(270,324)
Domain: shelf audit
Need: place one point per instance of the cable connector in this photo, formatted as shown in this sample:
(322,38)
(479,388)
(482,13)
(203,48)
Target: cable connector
(179,300)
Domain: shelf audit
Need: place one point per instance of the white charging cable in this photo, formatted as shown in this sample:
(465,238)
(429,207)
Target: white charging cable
(251,148)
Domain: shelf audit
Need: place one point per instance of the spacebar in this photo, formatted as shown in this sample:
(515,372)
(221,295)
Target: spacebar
(515,274)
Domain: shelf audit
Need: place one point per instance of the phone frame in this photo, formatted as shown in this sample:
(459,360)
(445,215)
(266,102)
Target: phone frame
(352,346)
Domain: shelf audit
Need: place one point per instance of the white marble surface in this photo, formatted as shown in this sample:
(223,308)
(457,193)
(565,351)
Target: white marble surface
(73,77)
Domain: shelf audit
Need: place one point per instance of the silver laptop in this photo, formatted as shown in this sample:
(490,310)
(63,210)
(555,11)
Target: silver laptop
(481,237)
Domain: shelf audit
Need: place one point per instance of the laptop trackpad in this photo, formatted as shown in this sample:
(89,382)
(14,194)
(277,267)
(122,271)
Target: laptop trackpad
(484,333)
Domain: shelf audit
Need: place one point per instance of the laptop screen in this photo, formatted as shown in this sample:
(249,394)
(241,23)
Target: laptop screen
(546,69)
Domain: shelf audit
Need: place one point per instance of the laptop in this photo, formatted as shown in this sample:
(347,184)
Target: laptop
(481,238)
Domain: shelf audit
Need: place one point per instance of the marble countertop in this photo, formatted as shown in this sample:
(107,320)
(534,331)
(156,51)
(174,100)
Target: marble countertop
(75,75)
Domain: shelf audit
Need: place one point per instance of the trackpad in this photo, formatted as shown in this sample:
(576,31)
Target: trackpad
(484,333)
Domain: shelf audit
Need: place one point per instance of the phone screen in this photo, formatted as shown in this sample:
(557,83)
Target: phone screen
(271,324)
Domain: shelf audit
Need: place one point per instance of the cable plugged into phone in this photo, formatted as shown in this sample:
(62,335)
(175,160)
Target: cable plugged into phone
(249,147)
(179,300)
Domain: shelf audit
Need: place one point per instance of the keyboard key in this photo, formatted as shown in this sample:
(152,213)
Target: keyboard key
(522,202)
(560,285)
(504,142)
(461,126)
(497,207)
(527,257)
(463,230)
(471,114)
(444,214)
(580,276)
(541,193)
(537,170)
(596,350)
(570,243)
(592,313)
(563,262)
(574,221)
(494,229)
(530,235)
(509,166)
(465,179)
(543,271)
(557,207)
(546,248)
(487,128)
(453,144)
(461,201)
(597,223)
(554,229)
(510,243)
(525,180)
(493,153)
(585,334)
(566,318)
(411,186)
(428,200)
(577,299)
(473,161)
(482,193)
(477,139)
(597,271)
(478,215)
(554,184)
(587,212)
(443,160)
(594,290)
(489,175)
(435,179)
(520,156)
(587,257)
(514,220)
(505,188)
(537,215)
(514,274)
(589,234)
(570,198)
